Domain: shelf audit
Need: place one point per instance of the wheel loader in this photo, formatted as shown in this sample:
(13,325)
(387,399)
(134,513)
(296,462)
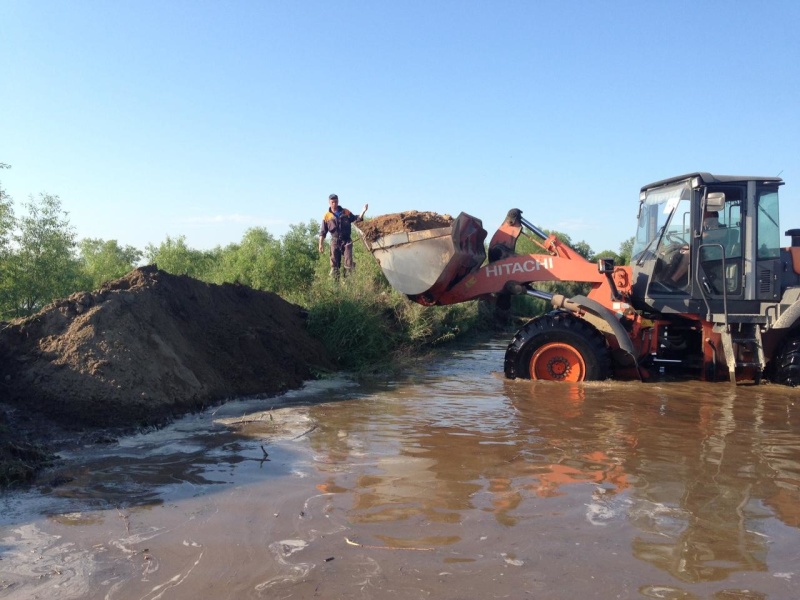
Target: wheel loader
(709,294)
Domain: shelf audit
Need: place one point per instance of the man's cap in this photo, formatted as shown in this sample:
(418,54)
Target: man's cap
(333,197)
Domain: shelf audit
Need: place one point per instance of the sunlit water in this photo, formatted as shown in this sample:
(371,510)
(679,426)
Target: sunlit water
(449,482)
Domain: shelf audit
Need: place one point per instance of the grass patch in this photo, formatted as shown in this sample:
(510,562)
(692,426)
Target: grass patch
(368,327)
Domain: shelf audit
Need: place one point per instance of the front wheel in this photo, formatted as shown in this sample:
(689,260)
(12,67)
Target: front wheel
(558,347)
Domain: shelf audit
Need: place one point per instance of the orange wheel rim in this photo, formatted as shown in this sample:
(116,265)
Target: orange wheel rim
(557,362)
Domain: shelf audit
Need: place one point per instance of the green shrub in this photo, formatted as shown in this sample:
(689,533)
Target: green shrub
(347,316)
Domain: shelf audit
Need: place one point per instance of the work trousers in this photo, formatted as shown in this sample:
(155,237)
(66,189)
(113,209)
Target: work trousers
(341,251)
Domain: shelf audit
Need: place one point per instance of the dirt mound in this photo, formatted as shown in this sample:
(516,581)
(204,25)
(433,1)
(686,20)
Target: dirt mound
(151,346)
(413,220)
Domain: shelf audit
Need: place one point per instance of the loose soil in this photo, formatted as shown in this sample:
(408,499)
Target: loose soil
(138,352)
(412,220)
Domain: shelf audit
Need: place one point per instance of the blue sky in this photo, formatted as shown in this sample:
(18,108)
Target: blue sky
(203,119)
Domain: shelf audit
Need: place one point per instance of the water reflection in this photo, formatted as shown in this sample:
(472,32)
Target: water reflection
(654,490)
(708,479)
(700,460)
(699,471)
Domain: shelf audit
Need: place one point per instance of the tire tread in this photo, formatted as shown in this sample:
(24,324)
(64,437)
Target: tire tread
(562,326)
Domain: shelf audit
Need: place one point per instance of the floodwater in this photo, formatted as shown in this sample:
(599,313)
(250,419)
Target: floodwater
(450,483)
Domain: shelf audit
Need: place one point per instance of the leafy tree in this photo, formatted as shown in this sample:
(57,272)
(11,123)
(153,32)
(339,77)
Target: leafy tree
(225,266)
(7,221)
(255,259)
(105,260)
(285,266)
(6,216)
(623,257)
(608,254)
(174,256)
(298,258)
(7,225)
(626,251)
(43,265)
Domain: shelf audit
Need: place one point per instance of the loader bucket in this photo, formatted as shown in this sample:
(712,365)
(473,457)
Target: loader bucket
(427,263)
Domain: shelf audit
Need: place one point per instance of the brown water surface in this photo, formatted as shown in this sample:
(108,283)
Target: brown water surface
(451,483)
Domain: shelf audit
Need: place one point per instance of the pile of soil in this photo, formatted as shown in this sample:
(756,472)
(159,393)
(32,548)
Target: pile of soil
(144,349)
(412,220)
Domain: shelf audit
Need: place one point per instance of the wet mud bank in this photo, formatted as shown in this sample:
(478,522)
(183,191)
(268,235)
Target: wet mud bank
(137,353)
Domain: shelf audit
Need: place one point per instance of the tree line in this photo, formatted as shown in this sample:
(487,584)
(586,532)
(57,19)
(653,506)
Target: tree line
(42,259)
(362,320)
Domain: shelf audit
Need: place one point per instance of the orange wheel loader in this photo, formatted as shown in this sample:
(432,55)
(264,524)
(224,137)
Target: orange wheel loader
(710,292)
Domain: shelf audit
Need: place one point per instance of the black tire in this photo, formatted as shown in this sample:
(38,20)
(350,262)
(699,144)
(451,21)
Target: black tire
(787,363)
(565,347)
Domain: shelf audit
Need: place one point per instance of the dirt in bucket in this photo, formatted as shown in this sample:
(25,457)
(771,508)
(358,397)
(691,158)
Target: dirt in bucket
(408,221)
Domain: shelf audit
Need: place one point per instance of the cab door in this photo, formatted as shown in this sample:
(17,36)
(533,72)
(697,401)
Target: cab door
(720,262)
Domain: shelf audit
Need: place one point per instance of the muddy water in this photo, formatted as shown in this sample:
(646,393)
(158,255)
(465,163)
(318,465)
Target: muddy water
(450,482)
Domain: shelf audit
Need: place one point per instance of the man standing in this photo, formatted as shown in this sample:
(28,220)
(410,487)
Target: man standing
(337,222)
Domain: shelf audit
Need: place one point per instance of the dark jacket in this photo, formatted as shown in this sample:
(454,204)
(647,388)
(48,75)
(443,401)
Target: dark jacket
(338,225)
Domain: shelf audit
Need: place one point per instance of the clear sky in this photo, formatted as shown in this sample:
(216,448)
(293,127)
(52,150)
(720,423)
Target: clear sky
(205,118)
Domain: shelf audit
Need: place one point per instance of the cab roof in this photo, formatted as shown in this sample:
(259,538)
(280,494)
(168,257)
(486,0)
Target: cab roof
(708,178)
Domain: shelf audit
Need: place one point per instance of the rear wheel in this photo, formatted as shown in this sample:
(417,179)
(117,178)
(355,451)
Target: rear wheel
(558,347)
(787,363)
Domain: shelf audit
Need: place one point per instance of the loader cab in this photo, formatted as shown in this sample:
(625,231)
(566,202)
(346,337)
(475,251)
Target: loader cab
(707,244)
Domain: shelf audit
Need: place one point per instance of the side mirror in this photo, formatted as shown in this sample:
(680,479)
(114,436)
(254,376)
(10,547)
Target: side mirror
(605,265)
(715,201)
